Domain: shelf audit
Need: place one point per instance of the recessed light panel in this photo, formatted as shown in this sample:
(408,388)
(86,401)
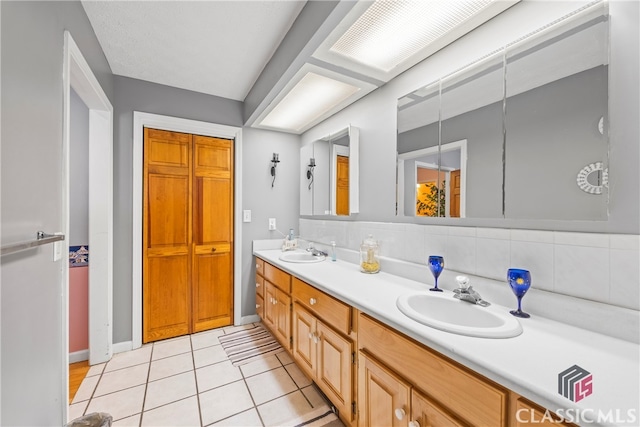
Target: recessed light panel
(313,96)
(390,32)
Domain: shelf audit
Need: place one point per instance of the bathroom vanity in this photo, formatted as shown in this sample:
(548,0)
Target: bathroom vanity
(379,367)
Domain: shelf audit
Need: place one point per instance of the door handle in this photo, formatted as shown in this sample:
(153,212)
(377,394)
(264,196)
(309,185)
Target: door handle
(213,249)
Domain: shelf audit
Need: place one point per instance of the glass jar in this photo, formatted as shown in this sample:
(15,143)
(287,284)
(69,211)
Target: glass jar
(369,255)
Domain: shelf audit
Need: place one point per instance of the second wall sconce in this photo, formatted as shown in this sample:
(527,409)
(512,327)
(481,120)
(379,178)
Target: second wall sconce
(274,161)
(310,167)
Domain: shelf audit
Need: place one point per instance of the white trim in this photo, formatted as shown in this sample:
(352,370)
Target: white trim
(121,347)
(79,356)
(140,120)
(78,75)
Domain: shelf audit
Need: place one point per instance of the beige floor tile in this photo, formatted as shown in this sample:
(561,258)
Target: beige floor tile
(96,370)
(215,375)
(133,421)
(171,347)
(170,366)
(76,410)
(298,376)
(181,413)
(270,385)
(129,358)
(169,390)
(209,355)
(86,389)
(120,404)
(284,358)
(215,404)
(260,365)
(206,339)
(284,409)
(248,418)
(313,396)
(122,379)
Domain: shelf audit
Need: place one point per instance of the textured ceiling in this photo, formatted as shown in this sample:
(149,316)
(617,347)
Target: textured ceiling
(214,47)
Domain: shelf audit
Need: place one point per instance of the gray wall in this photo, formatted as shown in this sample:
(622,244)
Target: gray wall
(376,116)
(79,172)
(281,201)
(32,355)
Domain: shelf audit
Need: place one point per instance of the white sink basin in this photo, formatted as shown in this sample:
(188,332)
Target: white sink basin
(301,257)
(442,311)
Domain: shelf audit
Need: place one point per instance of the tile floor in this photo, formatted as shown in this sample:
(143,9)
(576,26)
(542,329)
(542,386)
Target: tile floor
(188,381)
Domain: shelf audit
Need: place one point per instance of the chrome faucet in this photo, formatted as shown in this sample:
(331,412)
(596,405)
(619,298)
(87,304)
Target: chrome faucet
(315,252)
(467,293)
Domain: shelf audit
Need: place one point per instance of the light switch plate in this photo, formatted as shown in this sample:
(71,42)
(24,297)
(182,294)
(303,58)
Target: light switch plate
(246,215)
(272,224)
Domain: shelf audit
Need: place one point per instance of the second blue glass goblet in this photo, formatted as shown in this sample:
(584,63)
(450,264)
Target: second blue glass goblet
(520,282)
(436,265)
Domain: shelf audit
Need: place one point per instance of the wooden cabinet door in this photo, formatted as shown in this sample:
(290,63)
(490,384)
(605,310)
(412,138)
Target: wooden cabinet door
(454,194)
(334,373)
(304,340)
(212,233)
(270,304)
(342,185)
(283,319)
(383,397)
(166,283)
(427,414)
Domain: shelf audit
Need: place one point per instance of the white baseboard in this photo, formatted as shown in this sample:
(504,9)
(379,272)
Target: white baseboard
(79,356)
(121,347)
(249,319)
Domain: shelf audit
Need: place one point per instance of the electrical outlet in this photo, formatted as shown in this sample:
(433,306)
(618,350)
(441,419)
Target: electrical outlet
(246,215)
(272,224)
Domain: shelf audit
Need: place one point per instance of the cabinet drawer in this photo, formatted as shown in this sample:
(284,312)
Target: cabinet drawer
(259,306)
(332,312)
(259,266)
(464,393)
(260,286)
(278,277)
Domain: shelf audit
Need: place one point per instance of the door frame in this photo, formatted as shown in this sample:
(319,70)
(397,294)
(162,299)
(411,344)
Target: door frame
(176,124)
(78,75)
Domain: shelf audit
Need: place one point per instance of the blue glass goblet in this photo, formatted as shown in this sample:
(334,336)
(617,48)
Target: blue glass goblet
(436,265)
(520,282)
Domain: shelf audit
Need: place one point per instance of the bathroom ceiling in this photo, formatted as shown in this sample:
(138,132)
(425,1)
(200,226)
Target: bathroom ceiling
(214,47)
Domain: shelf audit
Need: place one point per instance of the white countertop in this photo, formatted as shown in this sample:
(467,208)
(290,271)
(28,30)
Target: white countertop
(527,364)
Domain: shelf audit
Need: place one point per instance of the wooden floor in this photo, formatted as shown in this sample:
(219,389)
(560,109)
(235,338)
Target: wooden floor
(77,372)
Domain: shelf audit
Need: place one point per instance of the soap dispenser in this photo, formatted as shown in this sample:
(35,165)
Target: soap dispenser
(369,255)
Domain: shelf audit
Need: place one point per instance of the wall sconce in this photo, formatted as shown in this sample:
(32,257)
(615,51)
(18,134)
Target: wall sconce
(274,161)
(310,167)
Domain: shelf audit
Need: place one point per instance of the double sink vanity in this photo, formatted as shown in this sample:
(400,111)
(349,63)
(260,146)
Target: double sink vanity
(387,352)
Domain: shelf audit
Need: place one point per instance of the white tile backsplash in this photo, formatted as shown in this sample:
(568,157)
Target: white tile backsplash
(594,266)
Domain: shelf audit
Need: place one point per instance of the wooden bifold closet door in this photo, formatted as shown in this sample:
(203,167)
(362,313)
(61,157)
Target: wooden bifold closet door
(187,234)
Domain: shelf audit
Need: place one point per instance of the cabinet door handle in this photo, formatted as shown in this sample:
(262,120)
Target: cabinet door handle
(399,413)
(257,306)
(257,266)
(275,301)
(414,424)
(213,249)
(310,335)
(312,301)
(257,285)
(316,338)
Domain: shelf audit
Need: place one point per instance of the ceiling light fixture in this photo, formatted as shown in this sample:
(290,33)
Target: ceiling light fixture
(391,32)
(313,96)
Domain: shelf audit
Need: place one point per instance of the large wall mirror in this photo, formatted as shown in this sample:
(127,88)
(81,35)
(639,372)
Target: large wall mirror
(521,133)
(329,169)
